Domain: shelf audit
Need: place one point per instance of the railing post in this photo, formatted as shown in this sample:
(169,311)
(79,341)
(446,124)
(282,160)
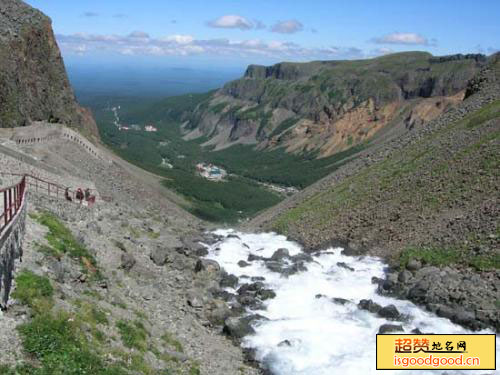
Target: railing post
(10,204)
(5,206)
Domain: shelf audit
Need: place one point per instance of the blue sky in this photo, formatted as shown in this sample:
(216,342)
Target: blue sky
(234,33)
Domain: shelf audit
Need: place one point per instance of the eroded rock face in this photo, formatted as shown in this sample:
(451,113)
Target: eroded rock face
(33,82)
(328,106)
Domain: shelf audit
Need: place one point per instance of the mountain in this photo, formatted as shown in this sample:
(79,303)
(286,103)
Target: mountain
(329,106)
(34,84)
(428,202)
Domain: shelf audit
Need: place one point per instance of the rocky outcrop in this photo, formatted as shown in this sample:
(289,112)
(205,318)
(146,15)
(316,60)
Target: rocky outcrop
(328,106)
(33,82)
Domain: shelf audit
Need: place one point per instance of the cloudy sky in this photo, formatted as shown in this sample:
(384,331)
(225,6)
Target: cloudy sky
(239,32)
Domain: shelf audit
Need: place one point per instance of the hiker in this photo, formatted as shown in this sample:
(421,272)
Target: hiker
(87,194)
(66,195)
(79,195)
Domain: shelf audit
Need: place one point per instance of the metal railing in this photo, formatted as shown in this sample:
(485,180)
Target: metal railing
(13,198)
(53,189)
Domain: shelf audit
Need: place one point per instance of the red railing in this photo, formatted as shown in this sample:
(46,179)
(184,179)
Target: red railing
(51,188)
(13,198)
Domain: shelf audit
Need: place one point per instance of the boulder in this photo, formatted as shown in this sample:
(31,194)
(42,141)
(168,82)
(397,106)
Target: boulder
(388,328)
(159,256)
(127,261)
(340,301)
(228,281)
(413,265)
(243,264)
(404,276)
(240,327)
(345,266)
(369,305)
(389,312)
(280,254)
(207,265)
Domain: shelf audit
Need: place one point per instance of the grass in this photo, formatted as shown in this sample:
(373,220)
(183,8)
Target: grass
(447,256)
(171,341)
(61,241)
(31,288)
(133,334)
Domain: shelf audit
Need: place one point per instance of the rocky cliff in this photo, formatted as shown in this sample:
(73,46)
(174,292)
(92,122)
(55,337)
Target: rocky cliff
(33,82)
(328,106)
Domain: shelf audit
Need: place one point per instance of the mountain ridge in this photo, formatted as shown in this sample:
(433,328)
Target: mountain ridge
(329,106)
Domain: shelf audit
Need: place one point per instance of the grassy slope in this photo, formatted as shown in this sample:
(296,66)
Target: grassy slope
(447,176)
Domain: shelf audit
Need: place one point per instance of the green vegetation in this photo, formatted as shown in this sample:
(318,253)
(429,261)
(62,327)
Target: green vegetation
(31,288)
(240,196)
(61,241)
(171,341)
(439,256)
(133,334)
(284,125)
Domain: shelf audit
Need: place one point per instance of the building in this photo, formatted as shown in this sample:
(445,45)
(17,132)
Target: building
(150,128)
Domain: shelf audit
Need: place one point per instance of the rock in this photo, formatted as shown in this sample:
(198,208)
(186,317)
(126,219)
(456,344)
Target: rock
(253,287)
(228,281)
(266,294)
(240,327)
(404,276)
(159,256)
(127,261)
(389,312)
(388,328)
(253,257)
(233,236)
(94,227)
(243,264)
(218,312)
(413,265)
(201,252)
(445,312)
(280,254)
(369,305)
(345,266)
(416,331)
(340,301)
(258,278)
(285,343)
(207,265)
(195,300)
(466,318)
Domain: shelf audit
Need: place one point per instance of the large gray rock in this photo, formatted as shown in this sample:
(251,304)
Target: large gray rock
(127,261)
(160,256)
(240,327)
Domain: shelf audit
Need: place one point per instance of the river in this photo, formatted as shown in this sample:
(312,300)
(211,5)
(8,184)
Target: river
(308,333)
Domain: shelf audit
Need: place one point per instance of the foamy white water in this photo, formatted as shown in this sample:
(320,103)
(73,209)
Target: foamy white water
(326,338)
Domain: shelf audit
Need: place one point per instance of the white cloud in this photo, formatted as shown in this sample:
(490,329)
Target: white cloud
(287,27)
(140,43)
(90,14)
(381,51)
(232,21)
(180,39)
(404,38)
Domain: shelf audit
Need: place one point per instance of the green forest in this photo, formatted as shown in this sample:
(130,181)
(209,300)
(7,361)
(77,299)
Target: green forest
(239,196)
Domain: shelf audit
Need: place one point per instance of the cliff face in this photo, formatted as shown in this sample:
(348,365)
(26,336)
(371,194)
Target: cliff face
(33,82)
(328,106)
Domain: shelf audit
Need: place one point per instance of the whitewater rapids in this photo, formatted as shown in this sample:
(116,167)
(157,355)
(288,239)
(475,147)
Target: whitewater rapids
(323,337)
